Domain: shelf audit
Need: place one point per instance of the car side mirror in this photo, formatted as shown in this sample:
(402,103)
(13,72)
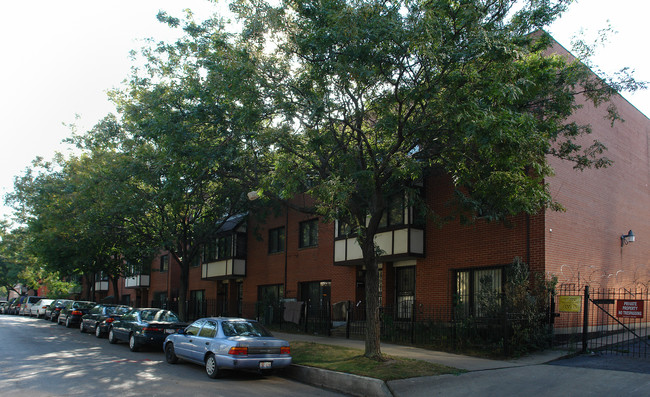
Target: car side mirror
(181,331)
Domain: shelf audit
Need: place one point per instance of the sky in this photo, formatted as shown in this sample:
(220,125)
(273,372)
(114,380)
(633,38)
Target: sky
(59,59)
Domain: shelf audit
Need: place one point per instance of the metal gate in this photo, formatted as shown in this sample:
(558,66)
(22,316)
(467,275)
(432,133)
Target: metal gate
(613,321)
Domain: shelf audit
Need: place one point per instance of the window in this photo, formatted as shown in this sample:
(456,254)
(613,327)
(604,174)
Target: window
(308,233)
(219,249)
(394,214)
(164,263)
(276,240)
(193,329)
(343,229)
(478,291)
(224,247)
(101,276)
(209,330)
(196,261)
(405,291)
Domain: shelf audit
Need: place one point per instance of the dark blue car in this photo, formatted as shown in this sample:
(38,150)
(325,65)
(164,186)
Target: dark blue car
(144,327)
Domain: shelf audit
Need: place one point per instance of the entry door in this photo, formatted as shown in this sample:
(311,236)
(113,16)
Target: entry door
(405,291)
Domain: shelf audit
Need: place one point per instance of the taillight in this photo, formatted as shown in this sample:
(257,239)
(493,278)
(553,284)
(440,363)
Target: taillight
(44,307)
(238,351)
(151,329)
(77,313)
(110,320)
(285,350)
(58,309)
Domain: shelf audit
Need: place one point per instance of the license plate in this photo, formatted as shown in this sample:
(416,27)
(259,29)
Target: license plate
(265,364)
(170,331)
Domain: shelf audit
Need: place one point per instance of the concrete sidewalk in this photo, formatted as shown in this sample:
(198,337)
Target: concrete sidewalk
(363,386)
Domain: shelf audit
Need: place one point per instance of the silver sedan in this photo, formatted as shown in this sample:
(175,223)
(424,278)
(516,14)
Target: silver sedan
(228,343)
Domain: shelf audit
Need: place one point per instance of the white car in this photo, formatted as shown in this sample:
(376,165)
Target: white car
(38,308)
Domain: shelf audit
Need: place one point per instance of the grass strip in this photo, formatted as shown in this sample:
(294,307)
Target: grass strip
(352,361)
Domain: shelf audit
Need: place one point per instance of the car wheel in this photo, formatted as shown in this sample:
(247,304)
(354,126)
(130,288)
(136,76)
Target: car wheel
(211,368)
(68,323)
(98,331)
(111,336)
(133,345)
(82,329)
(170,354)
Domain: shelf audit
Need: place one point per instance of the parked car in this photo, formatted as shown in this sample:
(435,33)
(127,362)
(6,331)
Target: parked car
(52,311)
(100,317)
(26,307)
(228,343)
(14,307)
(144,326)
(3,306)
(71,313)
(5,309)
(38,308)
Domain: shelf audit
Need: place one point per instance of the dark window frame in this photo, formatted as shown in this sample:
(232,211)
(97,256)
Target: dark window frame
(164,263)
(277,240)
(308,233)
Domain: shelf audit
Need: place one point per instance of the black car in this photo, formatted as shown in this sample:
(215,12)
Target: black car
(72,312)
(100,317)
(52,312)
(144,327)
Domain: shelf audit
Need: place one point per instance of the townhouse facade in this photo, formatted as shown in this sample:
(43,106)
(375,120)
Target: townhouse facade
(285,255)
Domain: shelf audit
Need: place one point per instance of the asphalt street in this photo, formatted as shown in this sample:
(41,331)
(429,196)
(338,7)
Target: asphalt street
(39,358)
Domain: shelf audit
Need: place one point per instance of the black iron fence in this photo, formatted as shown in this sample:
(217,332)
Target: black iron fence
(413,323)
(579,318)
(614,321)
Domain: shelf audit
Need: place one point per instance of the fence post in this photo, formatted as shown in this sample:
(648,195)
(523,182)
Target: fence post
(413,312)
(347,320)
(585,321)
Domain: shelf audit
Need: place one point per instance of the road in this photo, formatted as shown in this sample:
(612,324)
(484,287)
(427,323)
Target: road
(40,358)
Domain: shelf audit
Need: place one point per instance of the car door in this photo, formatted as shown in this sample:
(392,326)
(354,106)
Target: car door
(203,342)
(63,314)
(183,343)
(121,327)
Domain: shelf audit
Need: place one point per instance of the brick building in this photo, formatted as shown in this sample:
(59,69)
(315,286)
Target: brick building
(295,256)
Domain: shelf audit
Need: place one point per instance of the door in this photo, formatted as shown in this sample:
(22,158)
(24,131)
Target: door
(183,344)
(203,342)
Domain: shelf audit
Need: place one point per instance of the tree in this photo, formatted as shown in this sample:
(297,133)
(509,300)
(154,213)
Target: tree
(372,96)
(187,127)
(75,223)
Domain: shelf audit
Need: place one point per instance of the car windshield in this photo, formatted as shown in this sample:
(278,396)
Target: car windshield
(244,328)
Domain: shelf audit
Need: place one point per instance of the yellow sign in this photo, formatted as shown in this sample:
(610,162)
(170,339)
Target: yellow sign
(571,304)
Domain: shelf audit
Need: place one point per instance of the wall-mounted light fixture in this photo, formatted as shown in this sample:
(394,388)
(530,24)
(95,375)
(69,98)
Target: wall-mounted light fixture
(627,238)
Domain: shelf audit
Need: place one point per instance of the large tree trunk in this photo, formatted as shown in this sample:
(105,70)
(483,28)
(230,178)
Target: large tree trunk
(373,329)
(182,289)
(116,296)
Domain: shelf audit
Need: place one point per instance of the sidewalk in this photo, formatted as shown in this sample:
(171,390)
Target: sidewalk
(361,386)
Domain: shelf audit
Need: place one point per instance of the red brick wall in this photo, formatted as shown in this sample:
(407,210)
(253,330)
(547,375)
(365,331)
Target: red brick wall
(584,245)
(303,264)
(455,246)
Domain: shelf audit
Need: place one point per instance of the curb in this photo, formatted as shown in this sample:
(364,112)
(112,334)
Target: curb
(354,385)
